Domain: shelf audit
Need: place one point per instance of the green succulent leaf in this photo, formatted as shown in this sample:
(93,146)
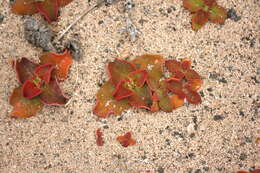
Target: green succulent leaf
(217,14)
(193,5)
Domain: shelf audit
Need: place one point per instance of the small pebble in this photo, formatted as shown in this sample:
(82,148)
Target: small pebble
(232,14)
(1,18)
(218,117)
(75,48)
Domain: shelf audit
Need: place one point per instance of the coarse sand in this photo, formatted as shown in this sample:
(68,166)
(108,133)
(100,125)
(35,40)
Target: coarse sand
(219,135)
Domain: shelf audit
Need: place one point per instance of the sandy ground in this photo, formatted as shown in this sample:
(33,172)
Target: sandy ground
(61,139)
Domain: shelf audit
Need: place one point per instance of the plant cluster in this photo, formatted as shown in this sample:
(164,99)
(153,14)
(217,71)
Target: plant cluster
(39,83)
(204,11)
(149,82)
(47,8)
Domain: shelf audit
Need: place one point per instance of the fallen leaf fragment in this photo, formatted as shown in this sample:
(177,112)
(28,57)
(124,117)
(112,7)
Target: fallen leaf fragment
(126,140)
(99,137)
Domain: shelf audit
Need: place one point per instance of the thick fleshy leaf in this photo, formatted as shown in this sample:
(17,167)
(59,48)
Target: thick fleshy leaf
(61,61)
(164,100)
(44,72)
(24,69)
(23,7)
(52,94)
(141,97)
(217,14)
(192,96)
(138,77)
(49,9)
(153,65)
(173,66)
(121,91)
(106,104)
(199,19)
(176,101)
(210,2)
(194,79)
(186,63)
(62,3)
(193,5)
(119,70)
(126,140)
(175,86)
(23,107)
(30,89)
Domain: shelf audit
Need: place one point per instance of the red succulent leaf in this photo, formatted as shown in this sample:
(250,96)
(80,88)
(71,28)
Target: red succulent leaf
(155,105)
(99,137)
(173,66)
(193,5)
(61,61)
(44,72)
(186,63)
(23,107)
(210,2)
(242,172)
(23,7)
(24,69)
(52,94)
(121,91)
(64,2)
(49,9)
(194,79)
(175,86)
(141,97)
(126,140)
(176,101)
(255,171)
(192,96)
(139,77)
(153,65)
(30,89)
(217,14)
(199,19)
(119,70)
(106,104)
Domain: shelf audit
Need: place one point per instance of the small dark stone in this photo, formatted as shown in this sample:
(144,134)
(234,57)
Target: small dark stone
(167,141)
(39,35)
(206,169)
(120,118)
(242,156)
(202,93)
(248,139)
(1,18)
(191,155)
(197,171)
(232,14)
(177,134)
(241,113)
(209,89)
(160,170)
(105,126)
(192,135)
(218,117)
(255,80)
(213,75)
(75,48)
(169,10)
(48,167)
(129,4)
(100,22)
(223,80)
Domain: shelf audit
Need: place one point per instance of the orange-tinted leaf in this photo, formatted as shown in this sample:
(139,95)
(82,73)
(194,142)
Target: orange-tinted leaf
(119,70)
(217,14)
(141,97)
(194,79)
(153,65)
(121,91)
(242,172)
(44,72)
(173,66)
(126,140)
(49,9)
(30,90)
(164,100)
(64,2)
(175,86)
(177,101)
(23,107)
(99,137)
(52,94)
(106,104)
(255,171)
(23,7)
(186,63)
(24,69)
(61,61)
(193,5)
(210,2)
(199,19)
(192,96)
(138,77)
